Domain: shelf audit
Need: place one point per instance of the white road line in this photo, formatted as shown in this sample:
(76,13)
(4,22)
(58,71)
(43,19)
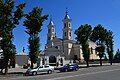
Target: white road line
(64,77)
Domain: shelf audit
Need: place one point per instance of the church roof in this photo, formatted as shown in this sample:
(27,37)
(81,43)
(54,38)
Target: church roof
(67,16)
(51,22)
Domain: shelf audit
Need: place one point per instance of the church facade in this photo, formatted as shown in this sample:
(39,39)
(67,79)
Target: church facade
(64,50)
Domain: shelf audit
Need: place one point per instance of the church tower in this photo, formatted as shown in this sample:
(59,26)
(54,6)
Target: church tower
(67,35)
(51,31)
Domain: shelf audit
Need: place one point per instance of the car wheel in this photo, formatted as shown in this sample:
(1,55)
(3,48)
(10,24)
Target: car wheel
(49,72)
(66,70)
(76,69)
(34,73)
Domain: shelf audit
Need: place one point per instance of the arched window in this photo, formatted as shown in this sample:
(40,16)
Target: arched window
(52,30)
(69,24)
(70,33)
(52,59)
(65,33)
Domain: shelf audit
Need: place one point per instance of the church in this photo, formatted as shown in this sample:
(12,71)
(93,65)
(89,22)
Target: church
(64,50)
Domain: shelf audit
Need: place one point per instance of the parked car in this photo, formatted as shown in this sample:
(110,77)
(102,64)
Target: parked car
(69,67)
(41,69)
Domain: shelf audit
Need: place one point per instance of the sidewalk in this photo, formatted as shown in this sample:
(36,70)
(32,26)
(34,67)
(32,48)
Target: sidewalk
(21,70)
(103,64)
(17,70)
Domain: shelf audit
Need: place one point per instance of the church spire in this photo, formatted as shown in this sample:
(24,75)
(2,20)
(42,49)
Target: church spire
(66,15)
(51,22)
(51,31)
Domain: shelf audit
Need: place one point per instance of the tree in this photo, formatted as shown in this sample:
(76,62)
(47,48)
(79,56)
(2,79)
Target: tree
(105,57)
(9,18)
(109,44)
(117,56)
(83,33)
(34,21)
(100,49)
(99,36)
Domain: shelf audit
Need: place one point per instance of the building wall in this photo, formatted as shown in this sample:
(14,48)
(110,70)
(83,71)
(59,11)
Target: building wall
(77,50)
(21,60)
(93,53)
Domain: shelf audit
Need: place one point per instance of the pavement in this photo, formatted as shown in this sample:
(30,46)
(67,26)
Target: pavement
(21,70)
(95,72)
(16,70)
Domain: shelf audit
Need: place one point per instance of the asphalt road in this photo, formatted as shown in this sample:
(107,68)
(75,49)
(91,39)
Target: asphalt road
(92,73)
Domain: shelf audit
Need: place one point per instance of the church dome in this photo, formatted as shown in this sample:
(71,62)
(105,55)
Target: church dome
(51,22)
(67,16)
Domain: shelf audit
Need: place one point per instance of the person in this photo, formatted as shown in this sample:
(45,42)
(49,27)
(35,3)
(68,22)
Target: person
(57,64)
(23,50)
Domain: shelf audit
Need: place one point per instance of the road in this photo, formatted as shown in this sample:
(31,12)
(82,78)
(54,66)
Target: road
(92,73)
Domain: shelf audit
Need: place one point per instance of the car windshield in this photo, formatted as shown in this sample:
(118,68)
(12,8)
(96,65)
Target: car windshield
(46,66)
(67,65)
(35,67)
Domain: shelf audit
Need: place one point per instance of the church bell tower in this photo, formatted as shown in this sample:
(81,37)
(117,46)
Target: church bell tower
(67,35)
(51,31)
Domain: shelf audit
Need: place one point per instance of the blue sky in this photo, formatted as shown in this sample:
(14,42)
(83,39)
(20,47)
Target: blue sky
(105,12)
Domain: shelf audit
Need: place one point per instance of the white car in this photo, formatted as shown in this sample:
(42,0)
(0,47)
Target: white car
(41,69)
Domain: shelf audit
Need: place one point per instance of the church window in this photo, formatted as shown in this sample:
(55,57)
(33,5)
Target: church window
(70,33)
(69,24)
(65,33)
(52,30)
(52,59)
(57,47)
(53,37)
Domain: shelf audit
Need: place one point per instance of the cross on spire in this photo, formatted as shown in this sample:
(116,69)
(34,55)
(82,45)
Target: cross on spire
(66,11)
(66,15)
(51,22)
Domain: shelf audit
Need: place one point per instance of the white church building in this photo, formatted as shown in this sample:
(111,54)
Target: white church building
(64,50)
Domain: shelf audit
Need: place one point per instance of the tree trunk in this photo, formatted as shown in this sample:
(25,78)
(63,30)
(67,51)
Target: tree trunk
(31,65)
(6,67)
(6,70)
(100,61)
(87,63)
(110,62)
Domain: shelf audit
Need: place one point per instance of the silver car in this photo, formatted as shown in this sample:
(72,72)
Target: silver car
(41,69)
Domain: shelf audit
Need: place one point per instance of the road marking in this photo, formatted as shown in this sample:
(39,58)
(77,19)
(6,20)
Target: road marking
(64,77)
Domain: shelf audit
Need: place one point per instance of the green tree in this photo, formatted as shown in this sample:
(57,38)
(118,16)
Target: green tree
(83,33)
(109,45)
(105,57)
(100,52)
(33,23)
(99,36)
(9,18)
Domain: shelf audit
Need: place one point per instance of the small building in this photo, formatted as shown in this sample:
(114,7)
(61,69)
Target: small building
(21,59)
